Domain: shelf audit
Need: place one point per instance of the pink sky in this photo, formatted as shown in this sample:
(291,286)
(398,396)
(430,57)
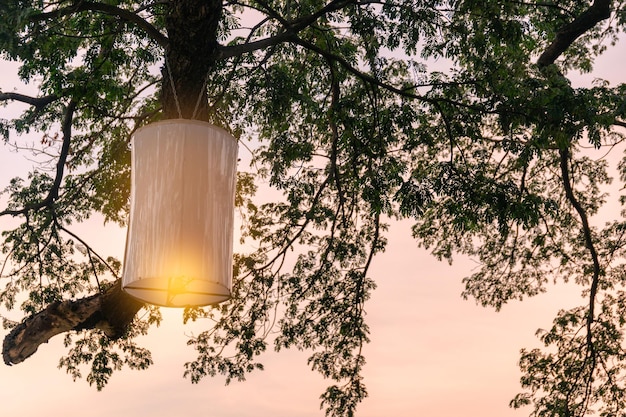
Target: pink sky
(431,354)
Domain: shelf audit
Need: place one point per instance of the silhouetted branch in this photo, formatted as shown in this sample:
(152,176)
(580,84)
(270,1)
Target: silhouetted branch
(586,229)
(38,102)
(53,193)
(597,12)
(125,15)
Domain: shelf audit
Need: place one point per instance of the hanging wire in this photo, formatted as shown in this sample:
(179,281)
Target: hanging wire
(204,85)
(169,72)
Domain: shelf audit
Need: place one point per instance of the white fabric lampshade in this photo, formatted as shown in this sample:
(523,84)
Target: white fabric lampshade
(179,247)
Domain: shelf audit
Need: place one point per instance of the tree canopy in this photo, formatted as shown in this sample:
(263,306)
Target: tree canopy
(351,122)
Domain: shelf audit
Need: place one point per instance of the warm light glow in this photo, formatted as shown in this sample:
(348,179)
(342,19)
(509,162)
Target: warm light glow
(180,236)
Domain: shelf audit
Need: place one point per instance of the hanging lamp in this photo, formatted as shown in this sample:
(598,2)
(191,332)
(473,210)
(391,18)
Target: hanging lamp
(180,236)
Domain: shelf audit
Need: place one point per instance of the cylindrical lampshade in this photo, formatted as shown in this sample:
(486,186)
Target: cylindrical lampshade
(179,247)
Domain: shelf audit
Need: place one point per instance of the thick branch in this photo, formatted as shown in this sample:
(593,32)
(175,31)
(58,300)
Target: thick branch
(65,149)
(125,15)
(38,102)
(111,311)
(226,52)
(597,12)
(569,193)
(291,28)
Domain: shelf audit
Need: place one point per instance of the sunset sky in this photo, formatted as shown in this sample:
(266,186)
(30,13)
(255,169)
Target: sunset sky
(431,354)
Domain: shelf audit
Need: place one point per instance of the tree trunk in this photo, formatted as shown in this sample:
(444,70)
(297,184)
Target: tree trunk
(192,32)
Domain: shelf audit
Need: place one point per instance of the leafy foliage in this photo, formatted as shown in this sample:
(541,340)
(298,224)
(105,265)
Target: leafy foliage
(105,356)
(352,125)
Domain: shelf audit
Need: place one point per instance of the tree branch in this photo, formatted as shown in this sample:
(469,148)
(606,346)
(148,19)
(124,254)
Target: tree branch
(291,28)
(111,311)
(569,193)
(306,21)
(38,102)
(597,12)
(226,52)
(65,149)
(60,168)
(123,14)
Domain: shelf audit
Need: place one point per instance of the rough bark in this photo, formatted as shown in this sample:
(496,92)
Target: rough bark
(192,51)
(110,311)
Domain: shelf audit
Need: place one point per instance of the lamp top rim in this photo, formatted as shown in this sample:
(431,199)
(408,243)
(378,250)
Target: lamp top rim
(184,122)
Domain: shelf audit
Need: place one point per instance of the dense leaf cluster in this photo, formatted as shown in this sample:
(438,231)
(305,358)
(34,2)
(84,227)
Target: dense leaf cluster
(351,122)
